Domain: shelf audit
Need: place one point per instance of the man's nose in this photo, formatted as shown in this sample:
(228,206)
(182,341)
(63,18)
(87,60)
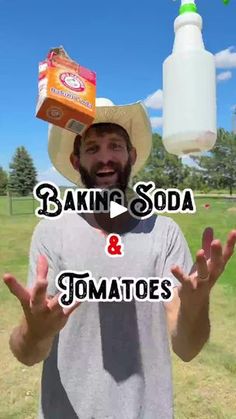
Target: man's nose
(104,155)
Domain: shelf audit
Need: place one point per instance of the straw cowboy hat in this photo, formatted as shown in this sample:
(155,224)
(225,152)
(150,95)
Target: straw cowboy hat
(133,118)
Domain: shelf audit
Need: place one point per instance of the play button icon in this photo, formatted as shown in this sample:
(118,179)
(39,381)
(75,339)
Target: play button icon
(116,209)
(118,219)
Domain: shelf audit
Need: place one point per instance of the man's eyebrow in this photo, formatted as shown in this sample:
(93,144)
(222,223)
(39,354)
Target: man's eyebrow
(117,139)
(94,141)
(89,142)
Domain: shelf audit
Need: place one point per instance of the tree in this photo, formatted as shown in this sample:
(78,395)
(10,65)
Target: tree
(195,180)
(3,181)
(219,165)
(23,175)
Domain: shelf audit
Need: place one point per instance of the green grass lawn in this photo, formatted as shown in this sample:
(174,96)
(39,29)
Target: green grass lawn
(204,388)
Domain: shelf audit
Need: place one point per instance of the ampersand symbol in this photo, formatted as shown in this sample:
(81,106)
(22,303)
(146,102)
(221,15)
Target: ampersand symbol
(113,248)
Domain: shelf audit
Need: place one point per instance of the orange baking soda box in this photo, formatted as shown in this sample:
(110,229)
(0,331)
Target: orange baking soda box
(66,92)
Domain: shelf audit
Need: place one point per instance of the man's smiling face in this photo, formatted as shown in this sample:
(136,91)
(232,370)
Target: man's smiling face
(104,157)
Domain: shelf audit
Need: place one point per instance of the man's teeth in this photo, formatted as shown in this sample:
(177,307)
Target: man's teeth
(105,172)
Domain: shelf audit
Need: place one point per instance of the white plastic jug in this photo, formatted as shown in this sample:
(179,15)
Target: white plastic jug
(189,88)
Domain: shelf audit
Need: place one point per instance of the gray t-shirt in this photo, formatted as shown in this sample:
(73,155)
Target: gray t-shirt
(112,359)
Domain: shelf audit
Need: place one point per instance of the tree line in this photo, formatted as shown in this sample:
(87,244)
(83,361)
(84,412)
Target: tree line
(215,169)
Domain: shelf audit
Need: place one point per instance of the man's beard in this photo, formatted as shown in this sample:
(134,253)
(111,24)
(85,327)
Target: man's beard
(123,175)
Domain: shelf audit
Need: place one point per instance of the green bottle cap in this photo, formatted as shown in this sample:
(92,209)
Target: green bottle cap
(188,7)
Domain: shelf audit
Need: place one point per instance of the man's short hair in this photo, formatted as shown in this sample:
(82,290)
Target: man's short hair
(101,129)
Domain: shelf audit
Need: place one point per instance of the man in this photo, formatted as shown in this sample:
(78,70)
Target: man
(111,360)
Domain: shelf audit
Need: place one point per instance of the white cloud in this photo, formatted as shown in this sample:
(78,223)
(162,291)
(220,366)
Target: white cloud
(156,121)
(52,175)
(155,100)
(226,58)
(224,75)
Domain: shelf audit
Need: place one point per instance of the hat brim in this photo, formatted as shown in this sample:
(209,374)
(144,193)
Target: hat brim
(133,118)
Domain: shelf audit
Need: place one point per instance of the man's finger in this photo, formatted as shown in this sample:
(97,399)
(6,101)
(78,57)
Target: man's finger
(42,268)
(178,273)
(216,253)
(207,238)
(201,263)
(38,295)
(17,289)
(70,310)
(229,247)
(216,263)
(53,304)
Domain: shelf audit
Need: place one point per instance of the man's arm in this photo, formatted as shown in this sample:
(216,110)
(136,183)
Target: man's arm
(188,312)
(27,348)
(189,330)
(27,345)
(43,319)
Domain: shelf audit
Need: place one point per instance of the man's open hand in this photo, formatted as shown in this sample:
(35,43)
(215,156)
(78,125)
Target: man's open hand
(210,263)
(44,315)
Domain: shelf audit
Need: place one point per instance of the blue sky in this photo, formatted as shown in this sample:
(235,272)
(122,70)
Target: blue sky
(125,42)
